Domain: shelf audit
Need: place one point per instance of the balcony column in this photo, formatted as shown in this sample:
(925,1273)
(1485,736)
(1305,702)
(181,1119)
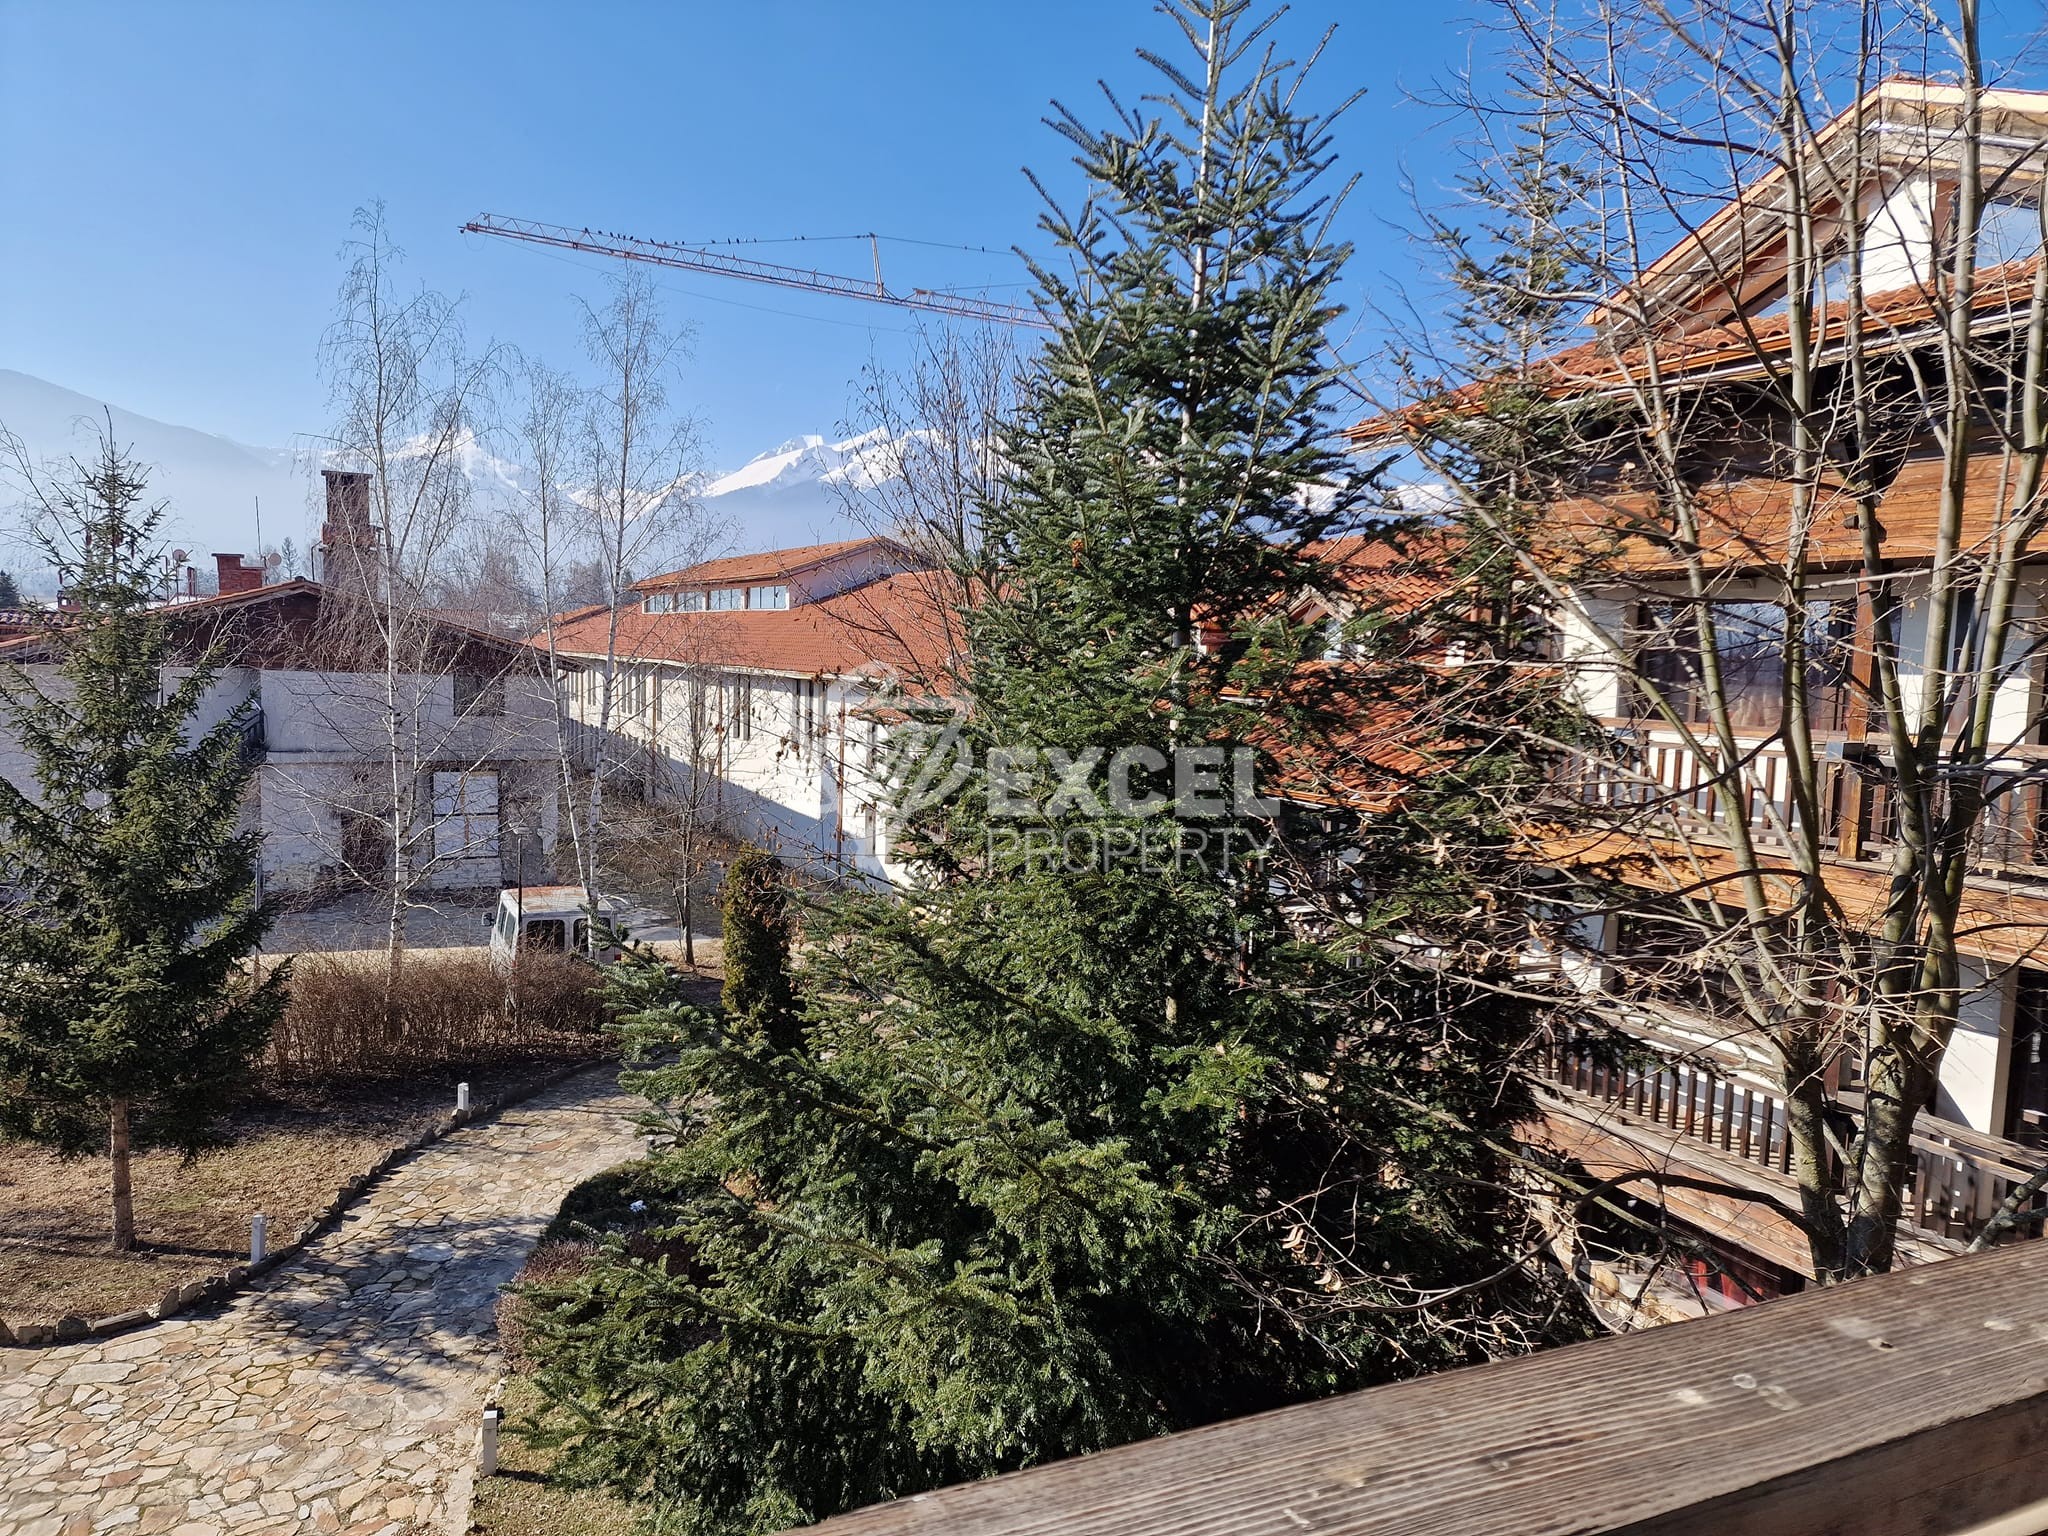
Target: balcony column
(1855,811)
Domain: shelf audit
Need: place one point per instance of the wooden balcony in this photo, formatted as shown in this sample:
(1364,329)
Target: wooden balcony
(1909,1403)
(1695,1115)
(1672,783)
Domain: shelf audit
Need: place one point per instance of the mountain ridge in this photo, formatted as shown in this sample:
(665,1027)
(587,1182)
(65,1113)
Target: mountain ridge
(218,489)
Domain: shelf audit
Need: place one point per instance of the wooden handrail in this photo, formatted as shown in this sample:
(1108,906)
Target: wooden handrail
(1913,1402)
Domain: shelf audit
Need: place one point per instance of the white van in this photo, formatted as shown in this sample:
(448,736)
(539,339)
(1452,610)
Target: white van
(550,917)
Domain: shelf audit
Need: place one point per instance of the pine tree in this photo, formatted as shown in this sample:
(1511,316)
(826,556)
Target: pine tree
(10,592)
(1086,1142)
(127,1017)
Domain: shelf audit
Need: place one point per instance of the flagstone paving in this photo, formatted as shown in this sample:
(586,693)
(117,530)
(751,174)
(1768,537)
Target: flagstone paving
(342,1392)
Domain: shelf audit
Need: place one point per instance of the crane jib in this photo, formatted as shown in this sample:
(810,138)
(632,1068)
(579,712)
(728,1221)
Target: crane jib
(692,259)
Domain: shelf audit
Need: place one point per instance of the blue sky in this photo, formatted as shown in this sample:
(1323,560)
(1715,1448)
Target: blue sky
(177,178)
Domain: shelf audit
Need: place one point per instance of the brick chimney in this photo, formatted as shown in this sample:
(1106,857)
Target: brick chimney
(236,574)
(347,549)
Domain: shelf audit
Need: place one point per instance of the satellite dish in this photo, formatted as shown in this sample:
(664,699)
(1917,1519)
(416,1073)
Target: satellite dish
(272,560)
(179,556)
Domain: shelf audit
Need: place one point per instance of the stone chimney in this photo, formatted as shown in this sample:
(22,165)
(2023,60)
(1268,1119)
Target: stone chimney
(237,574)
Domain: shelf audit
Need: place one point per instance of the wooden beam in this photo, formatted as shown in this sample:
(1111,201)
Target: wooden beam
(1914,1402)
(1606,1143)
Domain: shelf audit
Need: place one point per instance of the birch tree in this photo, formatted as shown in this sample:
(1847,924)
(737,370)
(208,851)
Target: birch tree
(636,458)
(409,398)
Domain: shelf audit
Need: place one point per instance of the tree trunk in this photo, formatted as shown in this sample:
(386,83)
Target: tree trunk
(689,939)
(394,960)
(119,1144)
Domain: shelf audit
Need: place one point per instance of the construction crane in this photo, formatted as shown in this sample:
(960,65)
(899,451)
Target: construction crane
(662,253)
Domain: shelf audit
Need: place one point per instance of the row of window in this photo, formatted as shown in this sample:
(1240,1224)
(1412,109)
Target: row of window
(1750,644)
(717,600)
(725,704)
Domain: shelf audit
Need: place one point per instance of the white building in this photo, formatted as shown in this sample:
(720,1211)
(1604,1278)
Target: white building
(476,721)
(755,681)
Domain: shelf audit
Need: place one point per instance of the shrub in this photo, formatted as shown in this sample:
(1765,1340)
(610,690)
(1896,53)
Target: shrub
(451,1008)
(552,1263)
(758,930)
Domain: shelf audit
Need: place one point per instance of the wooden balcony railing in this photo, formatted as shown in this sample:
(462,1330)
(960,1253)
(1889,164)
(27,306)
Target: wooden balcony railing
(1908,1403)
(1960,1177)
(1675,781)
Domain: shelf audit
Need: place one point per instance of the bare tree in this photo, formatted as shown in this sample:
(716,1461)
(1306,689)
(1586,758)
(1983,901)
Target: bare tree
(1780,500)
(548,526)
(409,398)
(606,499)
(933,434)
(636,461)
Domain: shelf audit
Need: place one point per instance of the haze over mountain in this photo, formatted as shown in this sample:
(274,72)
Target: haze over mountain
(793,494)
(213,484)
(804,492)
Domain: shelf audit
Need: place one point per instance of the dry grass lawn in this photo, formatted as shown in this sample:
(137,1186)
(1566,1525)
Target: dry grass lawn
(292,1150)
(522,1500)
(335,1095)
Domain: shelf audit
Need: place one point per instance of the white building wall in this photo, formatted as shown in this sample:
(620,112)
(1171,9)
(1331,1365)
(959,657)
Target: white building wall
(1898,234)
(1594,676)
(1972,1086)
(793,775)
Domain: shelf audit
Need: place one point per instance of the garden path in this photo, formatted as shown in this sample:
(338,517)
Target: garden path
(342,1392)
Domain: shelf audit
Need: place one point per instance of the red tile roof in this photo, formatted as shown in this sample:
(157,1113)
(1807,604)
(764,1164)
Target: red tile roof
(1408,570)
(767,564)
(906,623)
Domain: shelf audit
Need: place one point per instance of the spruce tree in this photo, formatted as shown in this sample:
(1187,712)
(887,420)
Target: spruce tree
(127,1016)
(1085,1141)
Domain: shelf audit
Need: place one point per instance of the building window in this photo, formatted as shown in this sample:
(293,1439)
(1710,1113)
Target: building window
(690,602)
(740,709)
(811,711)
(658,602)
(466,815)
(1749,640)
(698,712)
(478,695)
(1834,289)
(768,597)
(2026,1092)
(2009,230)
(726,599)
(629,693)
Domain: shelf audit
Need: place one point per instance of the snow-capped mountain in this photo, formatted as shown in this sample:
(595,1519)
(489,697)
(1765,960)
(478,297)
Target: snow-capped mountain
(804,492)
(807,491)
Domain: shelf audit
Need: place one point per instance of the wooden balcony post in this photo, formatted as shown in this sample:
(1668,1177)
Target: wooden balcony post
(1850,826)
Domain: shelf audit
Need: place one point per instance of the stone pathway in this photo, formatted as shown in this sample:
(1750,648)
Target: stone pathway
(342,1392)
